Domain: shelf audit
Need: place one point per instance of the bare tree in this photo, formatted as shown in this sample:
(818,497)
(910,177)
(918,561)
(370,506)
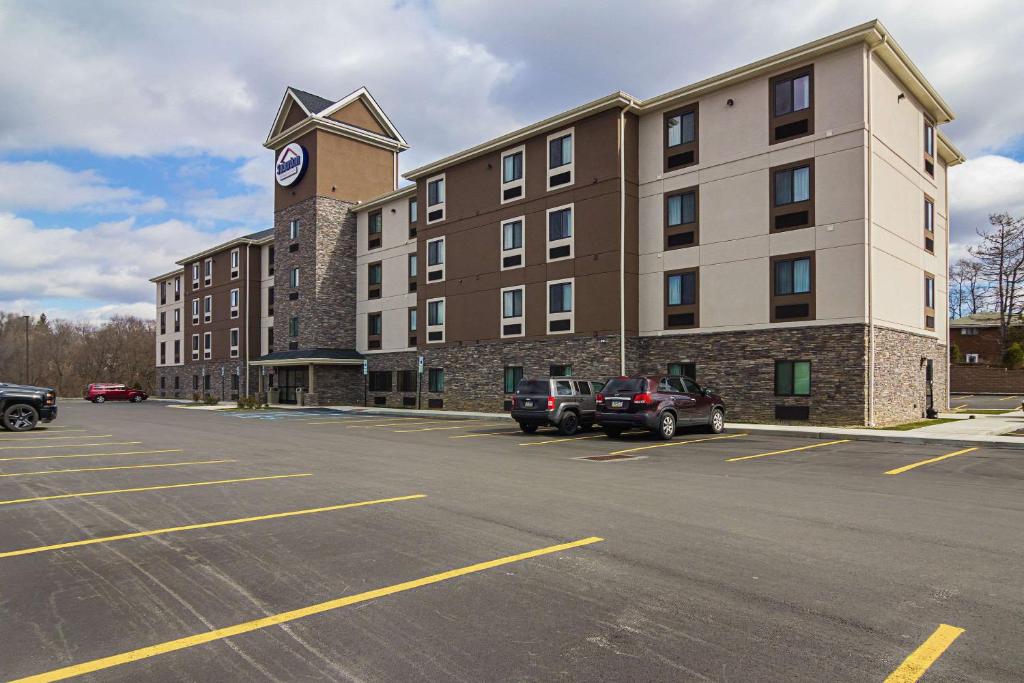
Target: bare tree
(968,293)
(1000,258)
(956,291)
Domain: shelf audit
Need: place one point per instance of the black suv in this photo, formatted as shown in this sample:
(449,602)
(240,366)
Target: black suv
(23,407)
(564,402)
(659,403)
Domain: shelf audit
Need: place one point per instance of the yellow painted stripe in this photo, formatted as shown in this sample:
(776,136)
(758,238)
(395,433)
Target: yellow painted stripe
(71,445)
(88,455)
(337,420)
(1008,398)
(203,525)
(788,450)
(117,467)
(901,470)
(958,408)
(285,617)
(562,440)
(161,487)
(29,436)
(919,661)
(394,424)
(473,436)
(676,443)
(433,429)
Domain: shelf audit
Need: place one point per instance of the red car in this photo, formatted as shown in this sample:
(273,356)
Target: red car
(98,393)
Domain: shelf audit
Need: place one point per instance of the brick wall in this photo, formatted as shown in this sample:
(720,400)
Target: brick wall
(980,379)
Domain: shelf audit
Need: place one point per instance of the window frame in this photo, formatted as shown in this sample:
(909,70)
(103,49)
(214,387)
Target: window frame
(235,262)
(374,290)
(508,321)
(775,121)
(293,278)
(792,377)
(929,311)
(195,346)
(412,211)
(929,223)
(412,326)
(208,272)
(558,170)
(515,382)
(519,251)
(441,205)
(437,327)
(234,339)
(293,229)
(682,147)
(437,267)
(234,300)
(774,210)
(196,310)
(433,373)
(207,345)
(208,308)
(798,298)
(177,320)
(412,267)
(569,241)
(293,327)
(520,182)
(682,308)
(196,272)
(374,239)
(569,315)
(682,228)
(929,139)
(374,340)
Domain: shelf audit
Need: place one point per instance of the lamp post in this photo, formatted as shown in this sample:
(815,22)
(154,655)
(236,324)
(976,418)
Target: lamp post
(26,348)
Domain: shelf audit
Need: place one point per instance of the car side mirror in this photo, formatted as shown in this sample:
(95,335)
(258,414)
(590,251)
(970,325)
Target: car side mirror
(706,391)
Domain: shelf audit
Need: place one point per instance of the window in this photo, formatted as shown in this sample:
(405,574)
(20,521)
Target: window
(177,320)
(207,345)
(681,138)
(513,375)
(374,276)
(929,225)
(513,183)
(374,229)
(929,301)
(792,378)
(929,147)
(195,382)
(163,322)
(969,331)
(407,380)
(195,347)
(560,370)
(293,278)
(681,223)
(792,105)
(413,215)
(560,159)
(235,257)
(374,327)
(293,230)
(684,369)
(293,326)
(270,260)
(560,306)
(208,272)
(513,320)
(270,301)
(206,382)
(792,283)
(792,196)
(177,289)
(681,299)
(195,311)
(413,271)
(560,233)
(435,199)
(412,325)
(234,303)
(163,293)
(435,320)
(270,340)
(233,341)
(207,308)
(972,358)
(195,275)
(435,260)
(513,254)
(435,380)
(163,353)
(379,380)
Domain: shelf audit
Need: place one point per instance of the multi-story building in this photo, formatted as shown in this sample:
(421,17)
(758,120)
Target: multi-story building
(778,231)
(170,350)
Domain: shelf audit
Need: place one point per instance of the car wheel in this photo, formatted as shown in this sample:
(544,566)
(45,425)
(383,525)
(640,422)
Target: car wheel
(20,417)
(99,399)
(613,432)
(569,424)
(716,425)
(527,427)
(136,399)
(666,426)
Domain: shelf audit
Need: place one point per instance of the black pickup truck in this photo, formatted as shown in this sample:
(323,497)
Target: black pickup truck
(23,407)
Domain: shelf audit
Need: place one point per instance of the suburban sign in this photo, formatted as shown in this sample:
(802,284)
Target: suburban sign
(291,164)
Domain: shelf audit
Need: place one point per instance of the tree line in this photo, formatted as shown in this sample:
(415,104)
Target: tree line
(68,355)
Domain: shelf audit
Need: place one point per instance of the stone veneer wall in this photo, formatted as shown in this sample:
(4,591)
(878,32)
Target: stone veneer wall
(217,383)
(338,385)
(326,259)
(900,394)
(740,367)
(168,373)
(392,362)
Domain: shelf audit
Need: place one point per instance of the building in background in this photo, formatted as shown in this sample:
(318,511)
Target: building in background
(779,232)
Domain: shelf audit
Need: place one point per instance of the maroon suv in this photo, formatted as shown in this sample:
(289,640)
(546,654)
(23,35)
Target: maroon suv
(659,403)
(100,393)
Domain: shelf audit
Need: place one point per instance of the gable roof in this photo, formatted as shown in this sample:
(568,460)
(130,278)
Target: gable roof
(987,319)
(318,111)
(310,102)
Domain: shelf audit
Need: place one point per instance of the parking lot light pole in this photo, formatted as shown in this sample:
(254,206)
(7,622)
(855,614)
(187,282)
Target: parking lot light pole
(26,348)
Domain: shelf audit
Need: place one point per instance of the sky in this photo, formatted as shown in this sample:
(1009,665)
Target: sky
(131,133)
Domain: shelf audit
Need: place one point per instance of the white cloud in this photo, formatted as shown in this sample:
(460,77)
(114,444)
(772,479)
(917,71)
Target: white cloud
(44,186)
(977,188)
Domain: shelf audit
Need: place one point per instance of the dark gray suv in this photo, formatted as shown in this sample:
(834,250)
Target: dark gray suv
(565,402)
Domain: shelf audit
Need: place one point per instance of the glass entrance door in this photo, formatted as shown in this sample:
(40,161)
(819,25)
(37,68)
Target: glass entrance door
(290,379)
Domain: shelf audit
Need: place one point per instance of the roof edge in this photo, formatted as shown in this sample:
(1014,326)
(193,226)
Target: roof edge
(408,190)
(224,245)
(166,275)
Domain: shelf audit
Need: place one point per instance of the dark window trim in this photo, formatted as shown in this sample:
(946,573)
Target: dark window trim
(928,234)
(685,147)
(374,238)
(693,308)
(682,228)
(373,341)
(792,117)
(929,159)
(373,289)
(431,373)
(413,334)
(792,207)
(792,382)
(790,299)
(929,312)
(504,377)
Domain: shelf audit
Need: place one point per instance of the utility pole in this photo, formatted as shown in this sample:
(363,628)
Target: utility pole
(26,348)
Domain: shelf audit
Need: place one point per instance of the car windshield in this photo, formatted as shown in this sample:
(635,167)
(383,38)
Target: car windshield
(532,386)
(623,385)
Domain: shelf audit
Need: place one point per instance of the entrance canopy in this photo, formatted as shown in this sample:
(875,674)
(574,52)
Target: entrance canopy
(311,357)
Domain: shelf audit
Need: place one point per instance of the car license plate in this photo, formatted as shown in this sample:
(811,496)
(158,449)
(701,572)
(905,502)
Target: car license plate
(528,403)
(617,404)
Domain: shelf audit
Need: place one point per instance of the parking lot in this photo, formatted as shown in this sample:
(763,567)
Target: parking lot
(143,542)
(965,403)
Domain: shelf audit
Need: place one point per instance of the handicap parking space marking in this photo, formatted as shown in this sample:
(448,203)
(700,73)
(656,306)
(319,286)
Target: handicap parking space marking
(788,450)
(929,461)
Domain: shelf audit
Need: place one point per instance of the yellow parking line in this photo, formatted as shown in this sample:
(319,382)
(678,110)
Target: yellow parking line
(919,661)
(71,445)
(563,439)
(286,617)
(336,420)
(433,429)
(395,424)
(203,525)
(959,407)
(901,470)
(788,450)
(473,436)
(88,455)
(1008,398)
(676,443)
(161,487)
(28,436)
(116,467)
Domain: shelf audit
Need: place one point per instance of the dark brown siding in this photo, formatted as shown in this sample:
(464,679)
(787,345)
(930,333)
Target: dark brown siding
(248,284)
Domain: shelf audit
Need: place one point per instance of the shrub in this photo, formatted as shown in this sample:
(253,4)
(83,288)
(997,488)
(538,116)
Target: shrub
(955,356)
(210,400)
(196,397)
(1013,357)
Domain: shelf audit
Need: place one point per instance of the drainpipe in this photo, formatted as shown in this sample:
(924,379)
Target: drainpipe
(622,241)
(949,369)
(871,279)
